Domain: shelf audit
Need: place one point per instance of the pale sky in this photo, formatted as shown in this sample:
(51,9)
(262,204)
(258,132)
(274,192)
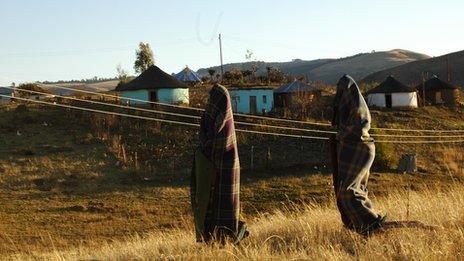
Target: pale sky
(56,39)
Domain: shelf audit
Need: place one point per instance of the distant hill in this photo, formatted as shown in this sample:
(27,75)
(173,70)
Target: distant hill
(330,70)
(295,67)
(410,73)
(93,87)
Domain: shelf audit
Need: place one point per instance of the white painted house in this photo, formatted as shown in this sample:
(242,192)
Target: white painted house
(392,94)
(254,100)
(154,85)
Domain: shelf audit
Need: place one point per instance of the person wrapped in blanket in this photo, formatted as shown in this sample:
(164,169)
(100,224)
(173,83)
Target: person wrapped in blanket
(215,181)
(353,152)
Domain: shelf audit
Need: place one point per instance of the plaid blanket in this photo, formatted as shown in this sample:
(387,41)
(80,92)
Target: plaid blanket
(218,144)
(355,152)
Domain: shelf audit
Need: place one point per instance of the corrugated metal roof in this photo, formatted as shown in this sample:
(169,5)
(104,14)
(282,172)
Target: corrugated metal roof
(5,91)
(295,86)
(434,84)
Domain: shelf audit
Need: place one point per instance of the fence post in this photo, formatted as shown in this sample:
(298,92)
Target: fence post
(136,161)
(252,161)
(124,154)
(268,158)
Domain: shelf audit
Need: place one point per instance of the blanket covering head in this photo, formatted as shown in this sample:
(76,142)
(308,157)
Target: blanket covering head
(353,155)
(219,146)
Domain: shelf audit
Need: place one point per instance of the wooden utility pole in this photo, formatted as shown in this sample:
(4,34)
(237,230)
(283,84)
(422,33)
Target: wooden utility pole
(448,68)
(423,89)
(220,54)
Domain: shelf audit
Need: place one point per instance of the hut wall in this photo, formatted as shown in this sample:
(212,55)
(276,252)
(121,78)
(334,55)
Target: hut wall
(450,97)
(376,100)
(447,97)
(406,99)
(138,94)
(4,100)
(174,96)
(241,100)
(169,96)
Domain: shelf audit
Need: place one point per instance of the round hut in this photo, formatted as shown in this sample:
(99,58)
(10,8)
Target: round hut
(439,92)
(392,94)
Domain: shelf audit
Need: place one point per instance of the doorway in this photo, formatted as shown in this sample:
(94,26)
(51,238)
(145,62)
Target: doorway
(253,106)
(153,96)
(388,100)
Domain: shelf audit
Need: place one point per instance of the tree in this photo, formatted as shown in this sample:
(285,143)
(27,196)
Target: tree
(122,74)
(144,58)
(269,70)
(211,73)
(249,55)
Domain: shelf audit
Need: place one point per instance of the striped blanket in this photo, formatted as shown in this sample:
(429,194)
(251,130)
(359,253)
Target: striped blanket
(354,153)
(218,144)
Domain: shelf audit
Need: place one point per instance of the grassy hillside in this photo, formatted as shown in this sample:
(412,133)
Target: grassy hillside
(296,67)
(310,232)
(74,179)
(93,87)
(330,70)
(411,73)
(362,65)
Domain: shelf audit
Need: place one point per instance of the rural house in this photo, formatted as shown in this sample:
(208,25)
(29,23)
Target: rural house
(5,91)
(438,92)
(252,100)
(188,76)
(154,85)
(296,92)
(392,94)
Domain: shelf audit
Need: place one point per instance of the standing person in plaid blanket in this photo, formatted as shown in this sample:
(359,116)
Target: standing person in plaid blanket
(353,152)
(215,183)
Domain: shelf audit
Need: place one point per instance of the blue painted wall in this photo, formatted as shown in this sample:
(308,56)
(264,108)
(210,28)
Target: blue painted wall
(170,96)
(139,94)
(241,100)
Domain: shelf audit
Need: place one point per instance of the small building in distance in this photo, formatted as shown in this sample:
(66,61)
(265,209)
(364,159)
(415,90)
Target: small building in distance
(188,76)
(438,92)
(392,94)
(296,92)
(7,92)
(252,100)
(154,85)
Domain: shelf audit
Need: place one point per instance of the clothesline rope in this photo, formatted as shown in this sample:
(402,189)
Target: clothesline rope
(197,125)
(250,116)
(174,114)
(237,122)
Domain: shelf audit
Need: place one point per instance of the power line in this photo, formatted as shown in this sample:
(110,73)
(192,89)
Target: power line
(197,125)
(101,111)
(169,113)
(252,116)
(237,122)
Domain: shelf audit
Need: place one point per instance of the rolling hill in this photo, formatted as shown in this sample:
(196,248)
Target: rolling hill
(329,70)
(93,87)
(410,73)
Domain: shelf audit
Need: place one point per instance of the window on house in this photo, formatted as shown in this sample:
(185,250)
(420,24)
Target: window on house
(264,99)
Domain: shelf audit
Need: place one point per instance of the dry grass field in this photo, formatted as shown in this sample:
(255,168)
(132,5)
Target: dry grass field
(67,193)
(309,231)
